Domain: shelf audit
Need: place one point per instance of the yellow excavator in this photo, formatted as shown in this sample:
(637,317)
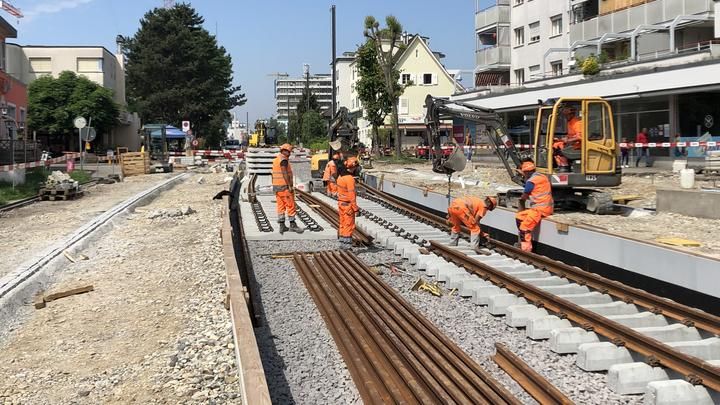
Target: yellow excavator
(343,136)
(263,135)
(592,162)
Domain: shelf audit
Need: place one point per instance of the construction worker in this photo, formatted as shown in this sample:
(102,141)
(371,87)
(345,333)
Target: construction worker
(347,202)
(539,191)
(469,211)
(282,182)
(568,148)
(331,173)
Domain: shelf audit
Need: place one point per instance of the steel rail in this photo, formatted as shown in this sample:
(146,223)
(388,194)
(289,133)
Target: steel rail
(687,315)
(695,370)
(30,200)
(331,215)
(419,363)
(530,380)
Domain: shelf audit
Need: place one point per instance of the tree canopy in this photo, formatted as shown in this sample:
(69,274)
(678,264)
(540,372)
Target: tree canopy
(54,103)
(177,71)
(313,130)
(371,89)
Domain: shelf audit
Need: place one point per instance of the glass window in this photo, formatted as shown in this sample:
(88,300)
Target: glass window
(534,29)
(598,122)
(519,36)
(41,65)
(89,65)
(557,67)
(405,78)
(556,22)
(542,149)
(520,77)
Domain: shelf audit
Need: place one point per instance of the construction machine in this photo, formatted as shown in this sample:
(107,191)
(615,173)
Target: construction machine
(343,136)
(592,162)
(263,135)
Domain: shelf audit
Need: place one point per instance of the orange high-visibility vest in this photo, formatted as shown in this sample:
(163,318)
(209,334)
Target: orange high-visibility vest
(277,173)
(475,205)
(574,132)
(346,189)
(541,195)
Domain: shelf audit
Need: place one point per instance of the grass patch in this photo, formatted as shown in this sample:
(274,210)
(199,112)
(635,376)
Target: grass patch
(34,179)
(399,161)
(81,176)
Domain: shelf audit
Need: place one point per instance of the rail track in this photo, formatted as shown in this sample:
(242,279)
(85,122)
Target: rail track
(405,228)
(30,200)
(394,354)
(330,214)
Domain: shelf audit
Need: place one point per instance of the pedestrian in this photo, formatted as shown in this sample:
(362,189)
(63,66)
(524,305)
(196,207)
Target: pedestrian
(142,147)
(539,191)
(347,202)
(625,153)
(644,150)
(679,151)
(282,182)
(469,211)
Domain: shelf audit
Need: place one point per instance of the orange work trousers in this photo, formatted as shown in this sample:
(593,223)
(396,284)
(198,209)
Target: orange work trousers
(285,204)
(347,220)
(459,215)
(527,221)
(331,188)
(560,159)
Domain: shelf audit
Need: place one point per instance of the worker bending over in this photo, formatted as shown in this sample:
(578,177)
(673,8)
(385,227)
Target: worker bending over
(539,192)
(331,173)
(569,147)
(347,202)
(469,211)
(282,182)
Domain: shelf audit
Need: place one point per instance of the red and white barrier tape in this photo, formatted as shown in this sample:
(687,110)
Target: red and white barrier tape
(205,152)
(39,163)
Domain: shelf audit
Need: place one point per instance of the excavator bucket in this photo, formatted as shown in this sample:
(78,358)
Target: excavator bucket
(454,163)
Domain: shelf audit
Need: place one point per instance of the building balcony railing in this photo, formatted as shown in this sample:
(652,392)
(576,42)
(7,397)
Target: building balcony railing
(627,19)
(492,57)
(493,15)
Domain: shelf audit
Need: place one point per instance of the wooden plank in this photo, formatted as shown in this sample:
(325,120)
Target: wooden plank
(252,375)
(67,293)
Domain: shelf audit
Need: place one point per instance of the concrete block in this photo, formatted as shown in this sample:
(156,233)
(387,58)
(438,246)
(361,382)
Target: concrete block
(693,203)
(676,392)
(546,281)
(590,298)
(612,308)
(457,280)
(402,245)
(640,320)
(469,286)
(632,378)
(391,241)
(567,340)
(566,289)
(672,333)
(413,255)
(497,304)
(518,315)
(706,349)
(445,272)
(483,294)
(424,260)
(601,356)
(539,328)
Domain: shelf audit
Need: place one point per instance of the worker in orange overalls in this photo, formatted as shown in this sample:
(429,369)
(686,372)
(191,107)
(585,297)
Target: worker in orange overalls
(282,182)
(469,211)
(539,191)
(331,173)
(572,141)
(347,202)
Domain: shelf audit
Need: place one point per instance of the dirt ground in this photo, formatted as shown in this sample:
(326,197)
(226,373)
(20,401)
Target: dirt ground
(487,178)
(33,226)
(154,330)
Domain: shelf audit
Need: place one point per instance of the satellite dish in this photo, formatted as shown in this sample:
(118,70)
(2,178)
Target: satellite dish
(89,134)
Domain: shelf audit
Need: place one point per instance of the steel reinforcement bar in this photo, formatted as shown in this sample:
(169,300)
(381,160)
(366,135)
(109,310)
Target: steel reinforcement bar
(532,382)
(653,303)
(330,214)
(393,353)
(694,369)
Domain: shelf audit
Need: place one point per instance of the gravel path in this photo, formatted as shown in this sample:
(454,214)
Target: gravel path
(33,226)
(476,332)
(301,361)
(154,330)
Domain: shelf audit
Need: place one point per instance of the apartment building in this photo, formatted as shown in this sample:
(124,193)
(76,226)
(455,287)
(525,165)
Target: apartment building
(659,64)
(344,79)
(13,92)
(289,90)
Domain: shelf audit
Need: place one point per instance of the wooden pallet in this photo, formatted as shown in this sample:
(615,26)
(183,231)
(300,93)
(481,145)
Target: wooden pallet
(60,195)
(134,163)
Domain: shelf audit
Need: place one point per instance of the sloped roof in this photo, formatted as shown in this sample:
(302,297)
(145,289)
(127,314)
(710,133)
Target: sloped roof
(418,39)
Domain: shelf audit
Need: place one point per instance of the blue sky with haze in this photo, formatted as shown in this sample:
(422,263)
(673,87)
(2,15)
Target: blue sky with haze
(262,36)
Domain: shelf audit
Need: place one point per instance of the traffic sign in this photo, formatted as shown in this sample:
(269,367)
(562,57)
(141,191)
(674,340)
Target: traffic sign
(88,134)
(80,122)
(185,126)
(195,142)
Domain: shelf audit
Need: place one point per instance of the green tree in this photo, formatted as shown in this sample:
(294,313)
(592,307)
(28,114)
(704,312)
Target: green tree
(389,50)
(302,105)
(313,128)
(177,71)
(280,131)
(54,103)
(371,89)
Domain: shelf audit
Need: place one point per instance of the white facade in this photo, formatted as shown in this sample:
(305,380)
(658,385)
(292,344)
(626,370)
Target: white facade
(288,92)
(344,80)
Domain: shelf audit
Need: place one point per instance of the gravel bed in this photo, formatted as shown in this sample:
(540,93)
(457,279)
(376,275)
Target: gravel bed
(476,331)
(301,361)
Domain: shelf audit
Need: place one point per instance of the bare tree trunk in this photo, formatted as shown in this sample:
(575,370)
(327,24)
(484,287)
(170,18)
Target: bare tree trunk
(396,130)
(376,140)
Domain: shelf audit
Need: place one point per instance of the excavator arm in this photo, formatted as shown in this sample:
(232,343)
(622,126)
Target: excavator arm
(439,110)
(342,129)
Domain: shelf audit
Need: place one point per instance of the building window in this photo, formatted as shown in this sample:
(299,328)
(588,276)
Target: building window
(520,77)
(534,70)
(534,31)
(406,79)
(556,23)
(557,67)
(23,116)
(89,65)
(40,65)
(519,36)
(404,106)
(429,79)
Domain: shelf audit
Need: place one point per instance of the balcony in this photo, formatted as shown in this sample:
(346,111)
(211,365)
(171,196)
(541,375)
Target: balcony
(628,19)
(494,57)
(493,15)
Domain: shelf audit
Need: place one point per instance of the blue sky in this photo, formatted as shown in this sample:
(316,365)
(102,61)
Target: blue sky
(262,36)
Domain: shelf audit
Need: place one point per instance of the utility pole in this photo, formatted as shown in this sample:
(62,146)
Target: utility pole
(306,69)
(334,79)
